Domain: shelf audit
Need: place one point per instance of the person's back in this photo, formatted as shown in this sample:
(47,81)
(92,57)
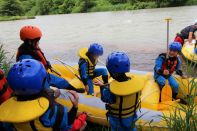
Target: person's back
(185,32)
(123,94)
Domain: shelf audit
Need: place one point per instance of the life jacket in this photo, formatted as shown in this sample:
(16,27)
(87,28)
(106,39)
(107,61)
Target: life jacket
(179,39)
(36,53)
(25,115)
(168,64)
(127,97)
(5,90)
(83,57)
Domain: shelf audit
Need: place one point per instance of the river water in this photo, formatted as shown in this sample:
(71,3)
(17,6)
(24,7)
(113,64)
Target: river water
(140,33)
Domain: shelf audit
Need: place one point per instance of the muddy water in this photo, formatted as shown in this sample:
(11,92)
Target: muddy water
(140,33)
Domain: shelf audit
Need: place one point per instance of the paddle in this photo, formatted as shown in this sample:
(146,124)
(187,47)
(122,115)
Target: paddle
(166,92)
(70,68)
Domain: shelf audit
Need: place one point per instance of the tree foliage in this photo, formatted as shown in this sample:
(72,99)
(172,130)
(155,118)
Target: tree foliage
(44,7)
(11,8)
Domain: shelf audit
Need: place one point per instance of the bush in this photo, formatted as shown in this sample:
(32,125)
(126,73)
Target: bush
(11,8)
(5,63)
(184,117)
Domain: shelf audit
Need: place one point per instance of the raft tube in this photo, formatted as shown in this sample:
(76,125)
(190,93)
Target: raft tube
(150,112)
(189,53)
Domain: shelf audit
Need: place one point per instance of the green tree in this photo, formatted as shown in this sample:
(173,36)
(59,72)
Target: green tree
(67,6)
(11,8)
(44,6)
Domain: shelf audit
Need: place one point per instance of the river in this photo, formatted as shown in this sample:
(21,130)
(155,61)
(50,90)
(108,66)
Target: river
(140,33)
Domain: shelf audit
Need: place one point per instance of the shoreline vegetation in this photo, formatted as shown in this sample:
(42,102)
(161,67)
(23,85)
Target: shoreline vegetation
(12,18)
(28,9)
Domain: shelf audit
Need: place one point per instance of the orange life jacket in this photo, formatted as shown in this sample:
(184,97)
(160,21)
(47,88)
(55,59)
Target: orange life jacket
(36,53)
(5,90)
(170,65)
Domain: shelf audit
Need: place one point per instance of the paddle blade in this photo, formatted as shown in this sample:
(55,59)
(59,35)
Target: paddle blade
(166,93)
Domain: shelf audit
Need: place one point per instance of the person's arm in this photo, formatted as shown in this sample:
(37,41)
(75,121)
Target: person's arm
(178,68)
(190,37)
(158,65)
(83,71)
(107,96)
(72,115)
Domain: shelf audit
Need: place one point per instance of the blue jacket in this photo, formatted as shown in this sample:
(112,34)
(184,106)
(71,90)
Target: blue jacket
(49,118)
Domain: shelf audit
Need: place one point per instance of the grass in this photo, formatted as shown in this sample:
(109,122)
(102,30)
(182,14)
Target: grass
(175,121)
(5,62)
(11,18)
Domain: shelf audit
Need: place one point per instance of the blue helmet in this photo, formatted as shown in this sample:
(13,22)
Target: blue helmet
(118,62)
(175,46)
(27,77)
(195,50)
(96,49)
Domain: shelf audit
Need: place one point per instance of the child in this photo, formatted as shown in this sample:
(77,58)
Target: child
(32,108)
(123,94)
(30,49)
(87,63)
(166,65)
(5,93)
(5,90)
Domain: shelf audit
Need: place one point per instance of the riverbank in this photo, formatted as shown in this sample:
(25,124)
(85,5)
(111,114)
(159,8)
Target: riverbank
(11,18)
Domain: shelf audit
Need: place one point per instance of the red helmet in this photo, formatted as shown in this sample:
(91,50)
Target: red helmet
(30,32)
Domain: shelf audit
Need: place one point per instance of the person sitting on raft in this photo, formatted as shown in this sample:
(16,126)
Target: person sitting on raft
(87,63)
(123,94)
(5,93)
(187,33)
(166,65)
(5,90)
(32,107)
(30,49)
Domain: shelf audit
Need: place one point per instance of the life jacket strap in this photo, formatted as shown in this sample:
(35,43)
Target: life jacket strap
(4,89)
(59,117)
(33,127)
(120,109)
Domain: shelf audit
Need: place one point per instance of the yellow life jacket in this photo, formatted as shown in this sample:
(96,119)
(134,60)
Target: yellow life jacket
(127,96)
(91,66)
(24,114)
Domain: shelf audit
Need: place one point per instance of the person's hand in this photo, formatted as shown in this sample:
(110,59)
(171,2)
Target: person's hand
(166,72)
(86,88)
(184,77)
(74,98)
(98,83)
(57,93)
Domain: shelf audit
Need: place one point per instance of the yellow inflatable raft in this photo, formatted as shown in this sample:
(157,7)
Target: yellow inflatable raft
(188,52)
(150,110)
